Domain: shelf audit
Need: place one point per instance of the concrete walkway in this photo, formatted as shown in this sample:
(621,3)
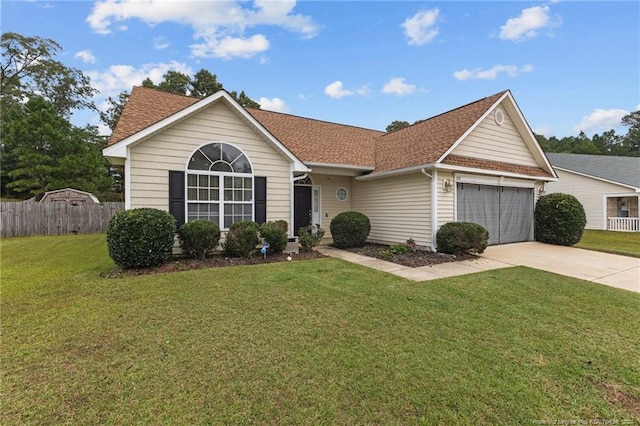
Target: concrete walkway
(612,270)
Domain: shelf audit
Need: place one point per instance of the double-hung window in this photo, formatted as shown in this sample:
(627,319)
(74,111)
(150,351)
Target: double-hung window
(219,185)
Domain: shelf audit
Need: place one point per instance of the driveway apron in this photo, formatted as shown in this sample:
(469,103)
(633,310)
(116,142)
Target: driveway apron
(604,268)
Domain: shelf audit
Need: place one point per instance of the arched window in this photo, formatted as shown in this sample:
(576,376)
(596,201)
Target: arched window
(219,185)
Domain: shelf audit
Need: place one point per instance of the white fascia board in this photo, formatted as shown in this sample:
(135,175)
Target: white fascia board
(532,139)
(476,171)
(472,128)
(397,172)
(598,178)
(119,149)
(338,169)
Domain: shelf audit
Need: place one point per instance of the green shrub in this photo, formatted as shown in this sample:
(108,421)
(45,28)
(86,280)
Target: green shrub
(462,238)
(273,234)
(283,225)
(199,238)
(559,219)
(350,229)
(141,238)
(242,239)
(309,237)
(399,249)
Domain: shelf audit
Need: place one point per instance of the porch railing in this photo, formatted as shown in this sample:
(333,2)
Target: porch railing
(626,224)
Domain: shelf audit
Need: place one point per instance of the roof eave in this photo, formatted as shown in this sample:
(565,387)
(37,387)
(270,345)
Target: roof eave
(476,170)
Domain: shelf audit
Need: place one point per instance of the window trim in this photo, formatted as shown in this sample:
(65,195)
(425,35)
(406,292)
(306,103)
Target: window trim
(346,194)
(221,188)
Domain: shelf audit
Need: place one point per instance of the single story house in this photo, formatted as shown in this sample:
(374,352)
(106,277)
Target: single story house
(607,186)
(213,159)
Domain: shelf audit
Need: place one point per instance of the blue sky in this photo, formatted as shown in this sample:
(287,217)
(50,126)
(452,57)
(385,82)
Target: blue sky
(570,65)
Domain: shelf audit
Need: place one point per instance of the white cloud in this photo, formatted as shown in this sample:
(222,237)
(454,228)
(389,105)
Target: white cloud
(221,25)
(601,119)
(273,104)
(231,47)
(527,25)
(117,78)
(544,131)
(397,86)
(86,56)
(160,43)
(492,73)
(421,27)
(336,90)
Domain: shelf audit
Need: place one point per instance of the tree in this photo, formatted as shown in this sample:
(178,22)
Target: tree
(397,125)
(632,138)
(244,100)
(204,84)
(112,114)
(42,151)
(175,82)
(29,69)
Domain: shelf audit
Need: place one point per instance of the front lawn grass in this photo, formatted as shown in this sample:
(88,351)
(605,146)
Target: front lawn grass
(625,243)
(314,342)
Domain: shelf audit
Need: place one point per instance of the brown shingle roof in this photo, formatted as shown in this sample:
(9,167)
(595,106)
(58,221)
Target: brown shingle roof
(459,160)
(425,142)
(315,141)
(146,107)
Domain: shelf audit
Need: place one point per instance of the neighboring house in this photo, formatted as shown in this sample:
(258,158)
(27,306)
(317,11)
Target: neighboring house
(69,195)
(213,159)
(608,188)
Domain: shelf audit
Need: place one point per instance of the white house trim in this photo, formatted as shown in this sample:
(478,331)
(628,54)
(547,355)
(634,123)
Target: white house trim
(120,148)
(600,179)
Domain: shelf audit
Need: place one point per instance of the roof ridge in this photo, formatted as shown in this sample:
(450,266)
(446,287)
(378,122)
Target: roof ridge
(449,111)
(314,119)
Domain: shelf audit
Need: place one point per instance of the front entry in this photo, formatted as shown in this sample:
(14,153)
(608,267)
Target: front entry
(301,207)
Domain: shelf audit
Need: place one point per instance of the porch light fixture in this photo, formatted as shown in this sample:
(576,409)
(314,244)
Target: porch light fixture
(447,185)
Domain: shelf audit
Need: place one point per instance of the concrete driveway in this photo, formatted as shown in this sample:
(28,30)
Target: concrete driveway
(609,269)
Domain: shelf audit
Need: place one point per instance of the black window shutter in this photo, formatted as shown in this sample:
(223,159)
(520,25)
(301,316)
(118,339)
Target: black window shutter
(260,198)
(176,196)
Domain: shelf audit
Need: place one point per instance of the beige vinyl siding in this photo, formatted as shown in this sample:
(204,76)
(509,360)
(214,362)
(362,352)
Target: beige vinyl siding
(446,200)
(399,208)
(171,149)
(489,141)
(330,206)
(590,192)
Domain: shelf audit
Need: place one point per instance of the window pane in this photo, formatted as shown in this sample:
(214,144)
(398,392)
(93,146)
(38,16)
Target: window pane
(214,194)
(230,153)
(247,210)
(221,166)
(247,196)
(248,183)
(212,151)
(228,195)
(214,181)
(192,180)
(228,182)
(203,181)
(228,220)
(237,195)
(199,162)
(192,194)
(203,194)
(241,165)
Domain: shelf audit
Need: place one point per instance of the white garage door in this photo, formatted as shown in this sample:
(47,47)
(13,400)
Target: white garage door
(506,212)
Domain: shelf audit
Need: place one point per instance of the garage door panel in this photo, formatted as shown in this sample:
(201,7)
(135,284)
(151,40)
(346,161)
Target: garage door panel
(506,212)
(516,214)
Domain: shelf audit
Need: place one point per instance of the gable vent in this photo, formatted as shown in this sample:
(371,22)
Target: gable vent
(498,116)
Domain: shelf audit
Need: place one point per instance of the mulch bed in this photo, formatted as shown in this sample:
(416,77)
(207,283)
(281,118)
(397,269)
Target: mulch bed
(412,259)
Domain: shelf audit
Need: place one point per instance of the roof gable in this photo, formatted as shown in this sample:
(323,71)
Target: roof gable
(623,170)
(427,141)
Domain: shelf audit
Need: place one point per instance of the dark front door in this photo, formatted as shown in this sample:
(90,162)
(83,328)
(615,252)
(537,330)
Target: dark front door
(301,207)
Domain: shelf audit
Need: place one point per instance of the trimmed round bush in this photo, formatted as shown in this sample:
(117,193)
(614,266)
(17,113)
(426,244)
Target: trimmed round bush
(275,235)
(141,238)
(241,239)
(199,238)
(559,219)
(350,229)
(310,237)
(460,238)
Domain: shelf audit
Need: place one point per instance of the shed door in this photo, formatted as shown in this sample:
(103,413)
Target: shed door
(506,212)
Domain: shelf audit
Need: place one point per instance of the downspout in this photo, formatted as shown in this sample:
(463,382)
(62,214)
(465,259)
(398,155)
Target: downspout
(434,205)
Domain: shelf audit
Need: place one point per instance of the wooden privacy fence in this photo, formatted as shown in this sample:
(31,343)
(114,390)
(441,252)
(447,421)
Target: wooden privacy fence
(32,218)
